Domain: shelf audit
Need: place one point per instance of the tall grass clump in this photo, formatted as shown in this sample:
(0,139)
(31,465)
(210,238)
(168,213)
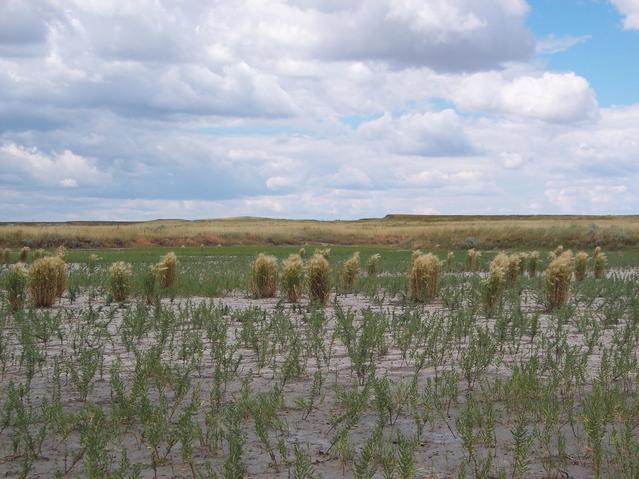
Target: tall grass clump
(91,262)
(581,265)
(472,259)
(293,277)
(46,280)
(326,252)
(149,283)
(318,277)
(414,255)
(556,253)
(61,251)
(350,271)
(533,263)
(557,278)
(6,256)
(264,276)
(600,263)
(302,252)
(424,277)
(450,258)
(120,275)
(372,265)
(167,270)
(39,253)
(494,284)
(23,257)
(15,283)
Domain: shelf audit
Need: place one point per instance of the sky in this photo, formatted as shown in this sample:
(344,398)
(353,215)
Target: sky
(327,109)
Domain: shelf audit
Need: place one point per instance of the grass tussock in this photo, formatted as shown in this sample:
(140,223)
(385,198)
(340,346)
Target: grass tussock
(424,277)
(372,265)
(149,284)
(600,263)
(264,276)
(47,278)
(514,268)
(39,253)
(91,262)
(167,270)
(6,256)
(557,279)
(293,277)
(15,283)
(318,273)
(581,265)
(326,252)
(120,280)
(302,252)
(23,257)
(450,259)
(350,271)
(472,259)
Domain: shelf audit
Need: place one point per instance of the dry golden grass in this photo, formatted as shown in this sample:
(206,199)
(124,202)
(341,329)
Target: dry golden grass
(318,276)
(46,280)
(120,278)
(557,278)
(581,265)
(372,264)
(424,277)
(407,231)
(293,277)
(264,276)
(495,283)
(167,270)
(350,271)
(472,259)
(600,263)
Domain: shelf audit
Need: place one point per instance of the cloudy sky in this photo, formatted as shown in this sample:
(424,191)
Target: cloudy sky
(139,109)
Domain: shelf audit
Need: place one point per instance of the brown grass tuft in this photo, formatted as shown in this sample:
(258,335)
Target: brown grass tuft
(120,276)
(167,270)
(264,276)
(47,280)
(318,273)
(581,265)
(424,277)
(350,271)
(557,278)
(293,277)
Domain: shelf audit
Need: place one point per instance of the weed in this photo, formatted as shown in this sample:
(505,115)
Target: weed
(167,270)
(350,271)
(372,265)
(581,265)
(533,263)
(600,263)
(472,259)
(15,282)
(424,277)
(557,278)
(6,256)
(46,280)
(23,257)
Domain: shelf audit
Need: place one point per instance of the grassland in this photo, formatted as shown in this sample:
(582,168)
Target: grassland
(209,381)
(611,232)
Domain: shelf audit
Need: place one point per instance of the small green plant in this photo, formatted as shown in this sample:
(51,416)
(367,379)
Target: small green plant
(24,254)
(472,259)
(318,277)
(16,281)
(424,277)
(293,277)
(581,265)
(167,270)
(600,263)
(557,278)
(264,276)
(372,265)
(120,274)
(350,271)
(46,280)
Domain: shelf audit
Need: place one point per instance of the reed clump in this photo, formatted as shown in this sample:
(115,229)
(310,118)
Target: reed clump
(15,282)
(39,253)
(61,252)
(556,253)
(47,278)
(372,265)
(23,257)
(424,277)
(264,276)
(167,270)
(293,277)
(581,265)
(557,279)
(514,267)
(600,263)
(318,273)
(350,271)
(472,259)
(326,252)
(149,283)
(120,279)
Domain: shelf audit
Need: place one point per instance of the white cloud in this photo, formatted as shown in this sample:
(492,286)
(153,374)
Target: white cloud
(630,10)
(556,44)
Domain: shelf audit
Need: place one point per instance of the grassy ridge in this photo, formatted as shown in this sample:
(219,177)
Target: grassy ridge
(408,231)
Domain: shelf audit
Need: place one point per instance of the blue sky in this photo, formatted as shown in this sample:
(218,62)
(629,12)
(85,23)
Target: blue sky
(317,108)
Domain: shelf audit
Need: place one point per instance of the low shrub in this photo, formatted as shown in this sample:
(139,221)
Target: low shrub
(350,271)
(264,276)
(318,277)
(293,277)
(424,277)
(120,275)
(557,278)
